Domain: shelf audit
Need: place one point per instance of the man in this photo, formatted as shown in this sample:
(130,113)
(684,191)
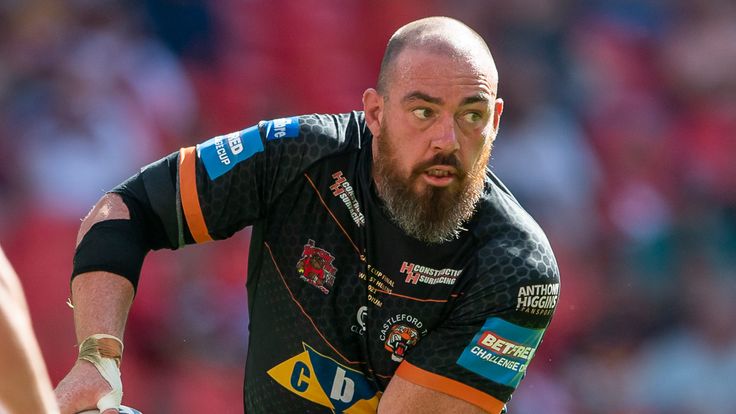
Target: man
(389,270)
(24,382)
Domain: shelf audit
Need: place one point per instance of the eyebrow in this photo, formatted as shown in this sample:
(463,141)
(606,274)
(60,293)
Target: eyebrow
(417,95)
(479,97)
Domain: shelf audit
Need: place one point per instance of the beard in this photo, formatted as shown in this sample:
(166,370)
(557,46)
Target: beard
(430,214)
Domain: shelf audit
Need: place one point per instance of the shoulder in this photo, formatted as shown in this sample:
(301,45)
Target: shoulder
(326,131)
(515,258)
(506,230)
(298,142)
(291,143)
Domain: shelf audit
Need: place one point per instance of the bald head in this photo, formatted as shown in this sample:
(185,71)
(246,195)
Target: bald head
(441,35)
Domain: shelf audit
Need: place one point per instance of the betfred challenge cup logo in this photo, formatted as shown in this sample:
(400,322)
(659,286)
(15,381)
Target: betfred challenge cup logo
(315,267)
(399,339)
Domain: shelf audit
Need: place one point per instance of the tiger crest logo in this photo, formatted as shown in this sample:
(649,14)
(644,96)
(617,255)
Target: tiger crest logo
(315,267)
(399,339)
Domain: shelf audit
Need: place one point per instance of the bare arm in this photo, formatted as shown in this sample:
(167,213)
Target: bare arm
(28,389)
(405,397)
(101,304)
(101,299)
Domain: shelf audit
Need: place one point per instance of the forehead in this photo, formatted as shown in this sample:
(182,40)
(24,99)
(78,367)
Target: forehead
(430,70)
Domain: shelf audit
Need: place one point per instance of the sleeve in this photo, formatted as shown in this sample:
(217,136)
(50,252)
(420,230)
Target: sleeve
(216,188)
(482,350)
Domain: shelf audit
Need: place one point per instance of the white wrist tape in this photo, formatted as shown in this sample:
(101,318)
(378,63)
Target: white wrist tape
(105,353)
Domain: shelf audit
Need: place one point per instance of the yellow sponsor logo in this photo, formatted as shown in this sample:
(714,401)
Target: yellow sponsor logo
(324,381)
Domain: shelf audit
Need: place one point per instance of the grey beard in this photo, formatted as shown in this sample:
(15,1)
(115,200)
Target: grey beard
(435,216)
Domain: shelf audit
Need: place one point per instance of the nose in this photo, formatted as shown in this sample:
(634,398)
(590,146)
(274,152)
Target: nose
(445,136)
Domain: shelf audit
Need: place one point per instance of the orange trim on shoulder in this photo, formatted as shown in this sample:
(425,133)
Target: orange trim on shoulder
(189,196)
(448,386)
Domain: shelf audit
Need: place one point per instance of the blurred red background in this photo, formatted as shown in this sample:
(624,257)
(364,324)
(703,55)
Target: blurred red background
(619,136)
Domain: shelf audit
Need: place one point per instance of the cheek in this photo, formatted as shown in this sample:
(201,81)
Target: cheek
(405,149)
(473,148)
(406,165)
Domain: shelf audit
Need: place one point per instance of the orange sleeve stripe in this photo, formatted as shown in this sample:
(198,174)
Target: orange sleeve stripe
(449,386)
(189,196)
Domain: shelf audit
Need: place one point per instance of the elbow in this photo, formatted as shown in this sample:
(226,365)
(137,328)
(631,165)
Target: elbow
(110,207)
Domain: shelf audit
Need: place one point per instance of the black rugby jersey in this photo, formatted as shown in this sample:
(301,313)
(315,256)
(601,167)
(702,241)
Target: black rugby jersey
(340,299)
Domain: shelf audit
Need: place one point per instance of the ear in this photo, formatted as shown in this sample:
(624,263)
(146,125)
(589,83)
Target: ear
(497,111)
(373,108)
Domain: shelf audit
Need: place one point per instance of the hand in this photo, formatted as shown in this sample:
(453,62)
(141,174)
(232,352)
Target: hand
(80,390)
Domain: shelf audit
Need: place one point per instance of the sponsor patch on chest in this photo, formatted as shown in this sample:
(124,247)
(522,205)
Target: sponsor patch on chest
(342,189)
(315,267)
(426,275)
(324,381)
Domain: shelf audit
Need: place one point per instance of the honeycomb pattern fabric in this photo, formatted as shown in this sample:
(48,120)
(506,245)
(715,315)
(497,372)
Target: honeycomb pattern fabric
(340,297)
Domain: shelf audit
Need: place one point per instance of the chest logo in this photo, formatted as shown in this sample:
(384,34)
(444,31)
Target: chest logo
(324,381)
(426,275)
(399,340)
(399,333)
(342,189)
(360,317)
(315,267)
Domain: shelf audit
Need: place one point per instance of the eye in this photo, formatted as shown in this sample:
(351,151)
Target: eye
(472,117)
(422,113)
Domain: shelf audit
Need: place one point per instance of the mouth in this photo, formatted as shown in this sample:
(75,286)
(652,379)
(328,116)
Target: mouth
(439,175)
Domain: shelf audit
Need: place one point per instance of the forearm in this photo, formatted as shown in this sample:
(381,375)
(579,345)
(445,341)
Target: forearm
(27,389)
(101,304)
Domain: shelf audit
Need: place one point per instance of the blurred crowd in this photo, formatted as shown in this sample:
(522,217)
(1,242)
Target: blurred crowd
(619,136)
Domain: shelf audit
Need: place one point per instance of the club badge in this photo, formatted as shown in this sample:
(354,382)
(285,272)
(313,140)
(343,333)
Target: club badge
(401,332)
(399,340)
(315,267)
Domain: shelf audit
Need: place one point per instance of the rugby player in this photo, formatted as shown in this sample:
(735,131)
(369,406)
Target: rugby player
(390,271)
